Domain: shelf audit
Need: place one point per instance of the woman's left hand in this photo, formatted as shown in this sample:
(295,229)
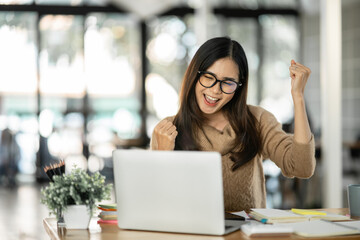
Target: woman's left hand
(299,75)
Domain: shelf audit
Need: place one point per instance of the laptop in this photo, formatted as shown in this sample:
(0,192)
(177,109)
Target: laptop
(170,191)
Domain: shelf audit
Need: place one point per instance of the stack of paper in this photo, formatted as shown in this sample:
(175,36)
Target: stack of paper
(265,230)
(265,215)
(322,228)
(108,213)
(316,215)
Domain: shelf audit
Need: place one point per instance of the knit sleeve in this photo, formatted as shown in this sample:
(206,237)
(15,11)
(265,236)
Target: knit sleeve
(293,158)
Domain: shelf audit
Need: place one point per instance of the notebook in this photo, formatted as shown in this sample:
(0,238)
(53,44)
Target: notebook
(321,228)
(170,191)
(266,215)
(266,230)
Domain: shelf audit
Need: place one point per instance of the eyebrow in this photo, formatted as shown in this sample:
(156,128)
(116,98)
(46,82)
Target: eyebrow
(225,78)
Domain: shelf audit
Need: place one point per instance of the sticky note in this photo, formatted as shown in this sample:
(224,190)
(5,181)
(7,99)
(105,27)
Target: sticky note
(307,212)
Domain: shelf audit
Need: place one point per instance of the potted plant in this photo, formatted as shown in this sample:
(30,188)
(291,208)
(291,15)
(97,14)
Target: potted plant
(75,195)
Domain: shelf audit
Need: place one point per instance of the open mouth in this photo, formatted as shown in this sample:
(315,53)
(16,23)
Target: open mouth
(210,100)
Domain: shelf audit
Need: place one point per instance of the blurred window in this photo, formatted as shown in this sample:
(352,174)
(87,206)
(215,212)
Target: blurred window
(62,88)
(170,47)
(15,2)
(112,68)
(59,2)
(281,43)
(70,2)
(255,4)
(18,84)
(279,3)
(61,56)
(244,30)
(17,38)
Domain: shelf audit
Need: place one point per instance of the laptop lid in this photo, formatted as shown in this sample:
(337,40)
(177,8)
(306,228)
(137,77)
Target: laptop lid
(172,191)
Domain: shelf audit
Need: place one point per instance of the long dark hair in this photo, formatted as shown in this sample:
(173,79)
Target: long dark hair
(189,118)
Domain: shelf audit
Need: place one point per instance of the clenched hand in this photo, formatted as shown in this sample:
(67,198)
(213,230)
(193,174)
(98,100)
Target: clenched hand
(299,76)
(164,136)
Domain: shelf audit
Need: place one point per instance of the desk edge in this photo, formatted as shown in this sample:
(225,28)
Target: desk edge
(50,231)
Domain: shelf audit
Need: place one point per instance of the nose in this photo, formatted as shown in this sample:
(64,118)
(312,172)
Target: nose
(216,88)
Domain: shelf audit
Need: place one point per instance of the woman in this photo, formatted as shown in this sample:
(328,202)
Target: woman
(214,116)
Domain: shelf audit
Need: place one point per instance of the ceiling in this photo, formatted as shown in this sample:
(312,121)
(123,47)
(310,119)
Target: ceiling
(146,8)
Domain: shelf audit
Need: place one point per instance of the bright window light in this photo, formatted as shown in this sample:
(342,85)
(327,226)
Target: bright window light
(163,96)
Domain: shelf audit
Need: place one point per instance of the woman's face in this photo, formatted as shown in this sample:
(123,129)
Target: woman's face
(211,100)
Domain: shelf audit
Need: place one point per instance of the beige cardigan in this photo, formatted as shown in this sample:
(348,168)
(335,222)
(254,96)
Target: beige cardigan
(245,187)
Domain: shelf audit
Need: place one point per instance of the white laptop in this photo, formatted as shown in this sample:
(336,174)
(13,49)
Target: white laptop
(170,191)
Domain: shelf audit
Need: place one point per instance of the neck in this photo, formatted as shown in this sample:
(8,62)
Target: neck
(217,120)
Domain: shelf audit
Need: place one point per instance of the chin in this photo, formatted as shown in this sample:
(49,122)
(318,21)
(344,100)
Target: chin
(209,112)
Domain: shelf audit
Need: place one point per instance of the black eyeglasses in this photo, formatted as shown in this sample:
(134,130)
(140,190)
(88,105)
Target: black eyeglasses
(208,80)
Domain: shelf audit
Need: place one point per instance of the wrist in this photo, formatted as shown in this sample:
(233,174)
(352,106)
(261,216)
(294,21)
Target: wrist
(297,97)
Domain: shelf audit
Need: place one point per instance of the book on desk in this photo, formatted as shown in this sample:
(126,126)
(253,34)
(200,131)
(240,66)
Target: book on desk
(323,228)
(108,213)
(307,223)
(265,215)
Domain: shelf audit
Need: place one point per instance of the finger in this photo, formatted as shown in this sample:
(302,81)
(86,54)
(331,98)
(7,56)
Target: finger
(300,65)
(297,69)
(174,134)
(167,129)
(160,129)
(168,126)
(164,124)
(297,73)
(303,67)
(161,124)
(293,70)
(170,130)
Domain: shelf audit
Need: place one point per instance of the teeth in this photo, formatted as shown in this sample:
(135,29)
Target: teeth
(211,98)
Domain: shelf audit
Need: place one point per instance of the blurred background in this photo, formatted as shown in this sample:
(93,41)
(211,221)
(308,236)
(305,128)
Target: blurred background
(80,78)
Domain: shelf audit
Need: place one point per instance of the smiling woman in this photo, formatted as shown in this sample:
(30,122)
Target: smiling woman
(214,116)
(209,94)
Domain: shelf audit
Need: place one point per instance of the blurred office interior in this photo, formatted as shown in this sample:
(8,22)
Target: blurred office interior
(80,78)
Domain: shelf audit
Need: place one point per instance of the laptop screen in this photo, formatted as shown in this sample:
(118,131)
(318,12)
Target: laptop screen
(173,191)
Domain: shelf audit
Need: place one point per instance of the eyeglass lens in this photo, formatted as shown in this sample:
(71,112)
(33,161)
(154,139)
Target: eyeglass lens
(227,86)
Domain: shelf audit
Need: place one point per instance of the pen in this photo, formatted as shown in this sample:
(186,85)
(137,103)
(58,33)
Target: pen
(264,220)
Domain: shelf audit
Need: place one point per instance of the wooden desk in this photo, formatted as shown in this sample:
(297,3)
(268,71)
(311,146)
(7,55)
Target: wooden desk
(112,232)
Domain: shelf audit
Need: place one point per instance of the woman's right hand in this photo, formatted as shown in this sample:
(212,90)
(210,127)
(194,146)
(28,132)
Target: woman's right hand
(164,135)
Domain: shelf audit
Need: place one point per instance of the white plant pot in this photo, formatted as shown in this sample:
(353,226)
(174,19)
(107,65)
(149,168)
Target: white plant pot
(77,217)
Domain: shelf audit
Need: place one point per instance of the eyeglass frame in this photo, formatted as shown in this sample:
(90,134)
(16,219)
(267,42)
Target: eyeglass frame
(238,84)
